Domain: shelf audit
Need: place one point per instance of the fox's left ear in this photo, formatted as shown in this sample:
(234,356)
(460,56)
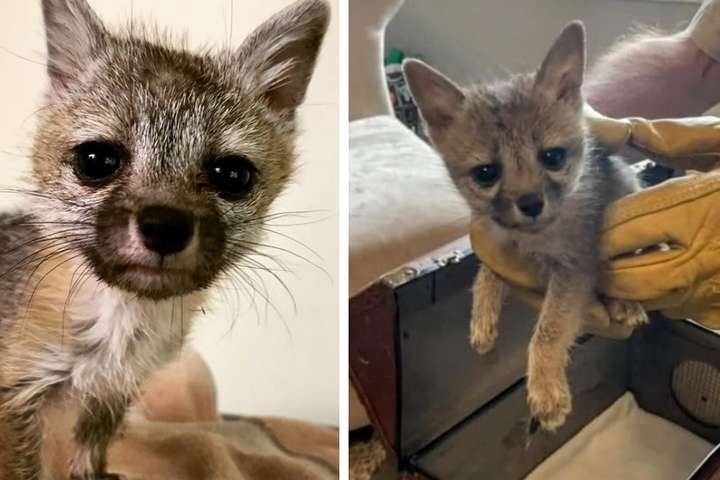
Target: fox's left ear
(74,36)
(561,73)
(279,56)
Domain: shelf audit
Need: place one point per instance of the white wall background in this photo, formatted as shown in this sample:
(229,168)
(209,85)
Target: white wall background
(478,39)
(282,363)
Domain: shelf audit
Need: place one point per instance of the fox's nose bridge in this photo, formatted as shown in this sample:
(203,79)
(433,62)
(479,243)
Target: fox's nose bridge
(168,192)
(522,174)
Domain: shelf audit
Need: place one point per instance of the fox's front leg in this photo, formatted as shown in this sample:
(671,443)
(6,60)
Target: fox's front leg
(99,420)
(20,434)
(488,296)
(560,320)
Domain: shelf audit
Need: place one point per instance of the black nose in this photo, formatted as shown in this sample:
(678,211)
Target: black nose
(165,230)
(530,205)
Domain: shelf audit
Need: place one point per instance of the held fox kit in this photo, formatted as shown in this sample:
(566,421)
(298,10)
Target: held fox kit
(519,154)
(153,171)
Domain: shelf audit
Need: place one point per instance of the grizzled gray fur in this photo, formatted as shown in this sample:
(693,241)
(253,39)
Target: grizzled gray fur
(154,169)
(519,154)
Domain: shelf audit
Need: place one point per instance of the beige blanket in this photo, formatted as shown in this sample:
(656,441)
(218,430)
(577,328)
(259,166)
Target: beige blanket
(628,443)
(176,434)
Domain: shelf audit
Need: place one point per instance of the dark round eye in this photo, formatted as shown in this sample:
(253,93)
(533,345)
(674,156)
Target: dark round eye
(231,176)
(486,175)
(97,162)
(553,158)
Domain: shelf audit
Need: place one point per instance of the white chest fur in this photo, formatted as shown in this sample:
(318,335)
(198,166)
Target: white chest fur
(118,339)
(111,340)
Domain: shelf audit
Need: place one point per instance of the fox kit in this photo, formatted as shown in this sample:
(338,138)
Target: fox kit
(519,154)
(153,172)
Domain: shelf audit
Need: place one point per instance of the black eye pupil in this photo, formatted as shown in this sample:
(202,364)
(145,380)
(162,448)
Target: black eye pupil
(97,161)
(486,175)
(553,158)
(232,176)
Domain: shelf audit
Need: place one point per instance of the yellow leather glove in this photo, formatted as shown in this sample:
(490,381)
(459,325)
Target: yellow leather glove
(682,281)
(683,143)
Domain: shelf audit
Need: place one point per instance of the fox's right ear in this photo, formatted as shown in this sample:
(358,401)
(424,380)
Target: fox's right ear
(437,97)
(74,36)
(561,73)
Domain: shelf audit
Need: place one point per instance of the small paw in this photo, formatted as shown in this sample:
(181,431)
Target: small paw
(626,312)
(482,339)
(550,403)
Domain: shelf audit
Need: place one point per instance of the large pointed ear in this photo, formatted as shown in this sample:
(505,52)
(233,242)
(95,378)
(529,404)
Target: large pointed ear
(74,35)
(280,54)
(561,73)
(436,96)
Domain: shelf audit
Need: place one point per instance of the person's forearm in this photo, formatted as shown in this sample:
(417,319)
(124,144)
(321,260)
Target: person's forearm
(654,77)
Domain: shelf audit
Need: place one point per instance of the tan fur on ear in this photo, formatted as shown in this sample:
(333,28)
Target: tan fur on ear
(281,53)
(73,34)
(561,73)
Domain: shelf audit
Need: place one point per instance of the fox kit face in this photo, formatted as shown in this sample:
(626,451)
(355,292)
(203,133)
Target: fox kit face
(515,149)
(160,162)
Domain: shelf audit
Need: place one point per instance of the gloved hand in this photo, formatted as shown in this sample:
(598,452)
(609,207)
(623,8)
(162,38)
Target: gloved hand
(683,214)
